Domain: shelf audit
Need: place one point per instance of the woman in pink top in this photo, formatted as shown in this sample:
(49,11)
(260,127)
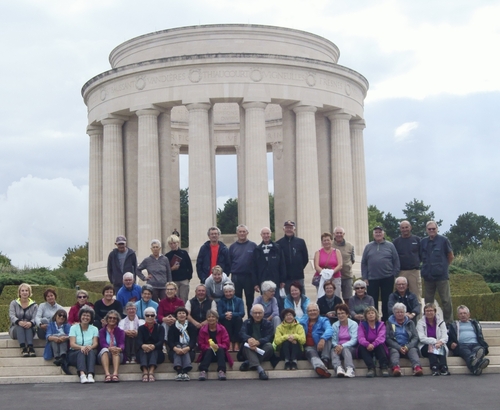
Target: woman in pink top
(329,258)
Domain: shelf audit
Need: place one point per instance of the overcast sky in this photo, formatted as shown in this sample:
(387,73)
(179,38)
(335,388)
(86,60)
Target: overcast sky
(432,110)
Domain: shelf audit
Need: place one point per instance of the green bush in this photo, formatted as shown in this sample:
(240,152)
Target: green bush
(34,277)
(92,286)
(495,287)
(485,261)
(482,307)
(69,277)
(65,297)
(4,318)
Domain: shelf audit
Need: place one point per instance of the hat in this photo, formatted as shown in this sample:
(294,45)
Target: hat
(289,223)
(378,227)
(120,239)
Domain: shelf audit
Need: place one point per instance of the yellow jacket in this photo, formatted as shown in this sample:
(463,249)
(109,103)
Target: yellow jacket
(286,329)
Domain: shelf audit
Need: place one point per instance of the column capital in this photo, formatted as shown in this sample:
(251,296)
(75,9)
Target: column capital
(112,121)
(147,111)
(358,125)
(198,106)
(304,108)
(94,130)
(254,104)
(338,115)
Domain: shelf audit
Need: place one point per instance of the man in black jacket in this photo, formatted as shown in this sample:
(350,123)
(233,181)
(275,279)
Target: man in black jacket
(212,252)
(465,339)
(120,261)
(268,262)
(296,256)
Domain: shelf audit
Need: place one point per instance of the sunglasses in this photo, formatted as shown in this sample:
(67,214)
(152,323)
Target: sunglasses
(82,297)
(112,318)
(61,315)
(358,288)
(149,315)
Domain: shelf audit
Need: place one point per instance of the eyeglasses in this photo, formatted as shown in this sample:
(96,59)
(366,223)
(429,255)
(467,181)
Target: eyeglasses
(431,229)
(358,288)
(112,318)
(82,297)
(149,315)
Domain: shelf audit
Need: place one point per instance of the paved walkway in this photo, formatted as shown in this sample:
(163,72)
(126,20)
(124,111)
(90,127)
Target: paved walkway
(454,392)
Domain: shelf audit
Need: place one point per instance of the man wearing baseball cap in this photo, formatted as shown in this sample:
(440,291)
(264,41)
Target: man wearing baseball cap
(120,261)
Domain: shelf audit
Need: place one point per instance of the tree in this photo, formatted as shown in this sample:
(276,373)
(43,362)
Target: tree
(417,213)
(76,258)
(271,215)
(4,260)
(471,230)
(227,218)
(391,226)
(375,218)
(184,194)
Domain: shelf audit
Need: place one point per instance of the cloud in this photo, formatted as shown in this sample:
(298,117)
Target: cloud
(41,218)
(404,131)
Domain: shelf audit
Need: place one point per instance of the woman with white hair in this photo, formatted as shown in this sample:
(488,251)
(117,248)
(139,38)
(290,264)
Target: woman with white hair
(130,324)
(158,268)
(231,311)
(267,299)
(402,340)
(360,301)
(150,340)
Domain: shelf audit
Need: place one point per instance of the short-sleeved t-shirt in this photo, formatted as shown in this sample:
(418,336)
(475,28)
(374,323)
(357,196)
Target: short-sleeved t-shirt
(85,338)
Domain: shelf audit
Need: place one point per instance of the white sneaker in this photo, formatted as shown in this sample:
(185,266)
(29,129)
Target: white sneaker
(340,371)
(90,379)
(186,377)
(83,379)
(179,377)
(350,372)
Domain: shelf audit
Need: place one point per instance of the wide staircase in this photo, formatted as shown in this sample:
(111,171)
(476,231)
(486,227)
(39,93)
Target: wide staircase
(15,369)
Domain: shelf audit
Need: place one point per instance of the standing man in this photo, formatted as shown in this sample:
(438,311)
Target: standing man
(212,252)
(296,256)
(437,255)
(379,267)
(241,262)
(408,247)
(268,262)
(120,261)
(348,259)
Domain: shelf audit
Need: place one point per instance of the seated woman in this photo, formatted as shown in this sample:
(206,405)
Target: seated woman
(150,340)
(328,301)
(433,337)
(22,313)
(83,342)
(145,302)
(181,341)
(296,300)
(130,324)
(112,342)
(57,337)
(46,312)
(267,299)
(402,339)
(231,311)
(105,305)
(215,283)
(213,341)
(289,339)
(359,301)
(168,307)
(344,342)
(371,342)
(82,299)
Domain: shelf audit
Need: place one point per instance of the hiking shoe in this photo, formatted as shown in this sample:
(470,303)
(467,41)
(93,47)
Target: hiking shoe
(444,371)
(477,357)
(435,371)
(350,372)
(340,371)
(417,371)
(370,373)
(203,376)
(322,372)
(396,371)
(245,366)
(24,352)
(263,375)
(385,372)
(222,375)
(481,366)
(31,351)
(185,377)
(178,377)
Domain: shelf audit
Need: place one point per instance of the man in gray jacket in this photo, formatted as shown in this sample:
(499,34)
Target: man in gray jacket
(379,267)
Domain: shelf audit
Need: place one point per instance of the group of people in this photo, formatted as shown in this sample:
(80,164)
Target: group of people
(140,324)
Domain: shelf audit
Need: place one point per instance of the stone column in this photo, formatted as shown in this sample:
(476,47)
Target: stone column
(285,188)
(148,182)
(240,160)
(256,185)
(201,212)
(169,178)
(95,194)
(308,209)
(324,173)
(113,198)
(359,185)
(341,171)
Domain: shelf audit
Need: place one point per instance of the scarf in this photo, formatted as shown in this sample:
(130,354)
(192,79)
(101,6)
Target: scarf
(112,339)
(184,337)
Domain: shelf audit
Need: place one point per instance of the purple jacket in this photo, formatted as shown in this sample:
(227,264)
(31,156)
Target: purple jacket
(119,338)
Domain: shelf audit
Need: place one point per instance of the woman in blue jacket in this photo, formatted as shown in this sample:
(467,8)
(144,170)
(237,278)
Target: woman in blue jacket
(296,300)
(231,311)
